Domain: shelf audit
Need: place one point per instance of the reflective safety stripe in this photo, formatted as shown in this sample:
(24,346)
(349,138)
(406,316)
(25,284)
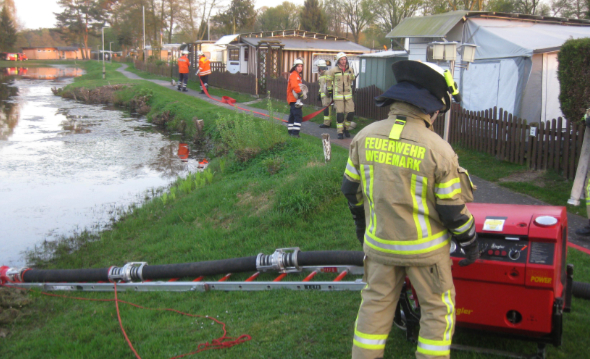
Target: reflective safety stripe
(446,298)
(340,125)
(397,128)
(351,171)
(448,189)
(434,347)
(369,341)
(367,173)
(464,228)
(423,245)
(418,188)
(588,189)
(348,97)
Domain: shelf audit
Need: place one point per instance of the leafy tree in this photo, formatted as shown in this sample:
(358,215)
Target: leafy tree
(7,31)
(80,19)
(389,13)
(335,17)
(239,16)
(312,17)
(282,17)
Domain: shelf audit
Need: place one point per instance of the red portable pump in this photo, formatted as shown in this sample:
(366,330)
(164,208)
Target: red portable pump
(520,285)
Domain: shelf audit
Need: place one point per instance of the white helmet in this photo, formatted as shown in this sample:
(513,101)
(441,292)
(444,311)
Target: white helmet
(185,52)
(297,62)
(200,53)
(322,63)
(339,56)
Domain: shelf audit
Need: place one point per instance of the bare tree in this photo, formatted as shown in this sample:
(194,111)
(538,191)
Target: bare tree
(357,15)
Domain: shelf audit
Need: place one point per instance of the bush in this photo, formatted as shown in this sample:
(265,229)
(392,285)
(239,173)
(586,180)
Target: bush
(246,136)
(574,78)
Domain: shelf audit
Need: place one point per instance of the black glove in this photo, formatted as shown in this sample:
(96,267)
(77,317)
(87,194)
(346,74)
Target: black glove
(471,253)
(587,117)
(330,93)
(358,214)
(319,97)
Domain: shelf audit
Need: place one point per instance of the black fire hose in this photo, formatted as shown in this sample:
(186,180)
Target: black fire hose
(278,261)
(581,290)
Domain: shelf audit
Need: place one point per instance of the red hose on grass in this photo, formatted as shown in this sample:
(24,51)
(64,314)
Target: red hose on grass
(230,101)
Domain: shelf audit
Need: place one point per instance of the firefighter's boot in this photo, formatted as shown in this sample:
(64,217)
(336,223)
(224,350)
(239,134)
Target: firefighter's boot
(349,117)
(340,125)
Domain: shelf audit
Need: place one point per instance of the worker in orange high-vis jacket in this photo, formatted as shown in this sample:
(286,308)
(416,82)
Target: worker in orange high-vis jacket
(295,93)
(183,66)
(407,195)
(204,71)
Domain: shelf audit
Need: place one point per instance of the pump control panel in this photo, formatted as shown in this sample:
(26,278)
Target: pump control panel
(514,249)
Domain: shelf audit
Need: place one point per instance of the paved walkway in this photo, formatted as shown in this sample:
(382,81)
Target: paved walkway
(487,192)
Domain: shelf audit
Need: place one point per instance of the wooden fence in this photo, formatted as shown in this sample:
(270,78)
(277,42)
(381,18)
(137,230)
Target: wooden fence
(554,144)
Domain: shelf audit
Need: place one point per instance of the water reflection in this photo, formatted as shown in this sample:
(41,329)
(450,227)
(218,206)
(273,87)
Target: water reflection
(9,109)
(66,166)
(42,73)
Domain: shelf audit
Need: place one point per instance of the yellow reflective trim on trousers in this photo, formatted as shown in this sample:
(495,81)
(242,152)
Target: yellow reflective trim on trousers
(588,189)
(433,347)
(446,298)
(369,336)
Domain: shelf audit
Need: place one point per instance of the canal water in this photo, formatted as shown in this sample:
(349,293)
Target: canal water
(66,167)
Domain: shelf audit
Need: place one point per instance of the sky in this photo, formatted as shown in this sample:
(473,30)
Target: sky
(35,14)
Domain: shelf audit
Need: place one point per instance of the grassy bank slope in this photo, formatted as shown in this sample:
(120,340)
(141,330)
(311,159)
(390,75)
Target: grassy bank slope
(284,195)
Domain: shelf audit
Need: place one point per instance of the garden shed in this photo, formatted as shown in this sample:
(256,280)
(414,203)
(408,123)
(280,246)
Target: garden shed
(375,68)
(272,53)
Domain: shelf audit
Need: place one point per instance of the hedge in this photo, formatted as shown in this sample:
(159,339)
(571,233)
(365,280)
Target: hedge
(574,78)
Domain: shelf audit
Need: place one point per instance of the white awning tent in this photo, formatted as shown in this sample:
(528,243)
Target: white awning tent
(515,64)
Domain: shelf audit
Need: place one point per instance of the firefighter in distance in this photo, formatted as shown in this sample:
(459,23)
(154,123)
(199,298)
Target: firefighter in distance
(341,79)
(407,194)
(183,66)
(325,93)
(204,71)
(295,93)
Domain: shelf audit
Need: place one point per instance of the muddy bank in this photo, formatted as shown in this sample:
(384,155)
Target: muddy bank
(138,103)
(13,305)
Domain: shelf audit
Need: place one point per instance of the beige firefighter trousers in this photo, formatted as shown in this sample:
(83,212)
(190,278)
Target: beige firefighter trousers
(436,294)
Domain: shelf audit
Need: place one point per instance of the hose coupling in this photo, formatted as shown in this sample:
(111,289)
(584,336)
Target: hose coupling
(283,260)
(130,272)
(11,275)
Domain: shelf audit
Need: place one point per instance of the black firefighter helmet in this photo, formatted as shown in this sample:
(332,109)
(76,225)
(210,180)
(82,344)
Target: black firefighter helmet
(428,76)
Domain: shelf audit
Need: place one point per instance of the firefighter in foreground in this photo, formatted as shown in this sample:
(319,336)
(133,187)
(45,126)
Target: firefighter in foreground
(405,183)
(204,71)
(183,66)
(295,93)
(341,79)
(325,93)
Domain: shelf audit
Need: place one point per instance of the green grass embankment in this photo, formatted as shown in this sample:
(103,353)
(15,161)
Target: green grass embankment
(283,195)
